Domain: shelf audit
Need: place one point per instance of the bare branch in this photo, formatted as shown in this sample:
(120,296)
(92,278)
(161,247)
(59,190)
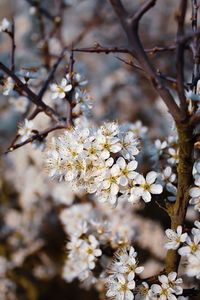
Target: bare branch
(38,136)
(97,48)
(146,6)
(31,95)
(137,50)
(119,9)
(51,74)
(100,49)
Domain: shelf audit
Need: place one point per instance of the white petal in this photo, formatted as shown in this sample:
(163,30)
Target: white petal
(146,196)
(172,276)
(121,278)
(121,162)
(132,165)
(179,230)
(68,88)
(156,189)
(140,179)
(115,170)
(151,177)
(195,192)
(128,295)
(139,270)
(123,181)
(114,189)
(163,279)
(156,288)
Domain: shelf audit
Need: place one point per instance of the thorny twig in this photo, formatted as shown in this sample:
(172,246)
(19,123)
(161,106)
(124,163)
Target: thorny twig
(97,48)
(172,80)
(130,25)
(37,99)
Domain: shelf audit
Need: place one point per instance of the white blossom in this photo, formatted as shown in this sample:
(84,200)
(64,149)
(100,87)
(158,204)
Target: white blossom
(127,171)
(175,238)
(147,186)
(196,203)
(196,230)
(120,288)
(174,156)
(60,90)
(77,79)
(171,281)
(25,130)
(192,246)
(4,25)
(83,102)
(160,146)
(193,266)
(143,292)
(168,176)
(195,193)
(8,86)
(107,145)
(130,145)
(125,263)
(169,287)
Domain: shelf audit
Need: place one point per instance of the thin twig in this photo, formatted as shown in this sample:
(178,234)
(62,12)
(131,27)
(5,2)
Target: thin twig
(30,94)
(38,136)
(51,74)
(163,76)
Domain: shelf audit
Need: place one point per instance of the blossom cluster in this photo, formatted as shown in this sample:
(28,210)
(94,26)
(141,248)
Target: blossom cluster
(123,270)
(121,283)
(102,161)
(90,232)
(165,156)
(188,247)
(71,89)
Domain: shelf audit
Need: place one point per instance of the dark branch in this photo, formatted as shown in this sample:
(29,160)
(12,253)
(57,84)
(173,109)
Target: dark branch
(31,95)
(119,9)
(51,74)
(138,52)
(38,136)
(146,6)
(100,49)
